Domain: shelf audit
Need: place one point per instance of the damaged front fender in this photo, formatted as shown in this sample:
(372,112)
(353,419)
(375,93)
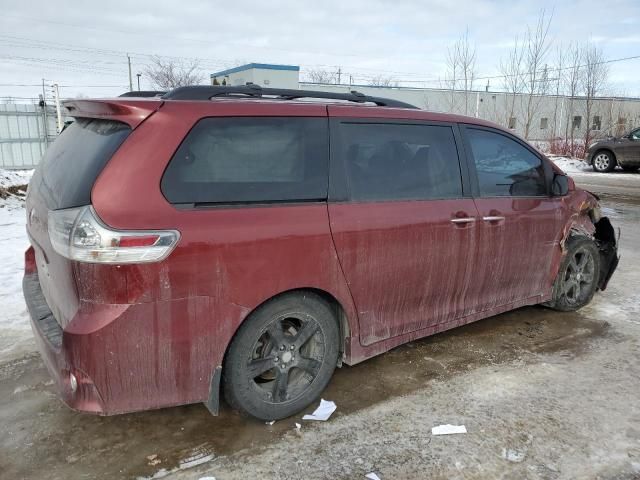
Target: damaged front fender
(588,221)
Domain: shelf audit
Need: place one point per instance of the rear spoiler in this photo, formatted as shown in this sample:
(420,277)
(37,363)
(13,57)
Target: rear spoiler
(130,111)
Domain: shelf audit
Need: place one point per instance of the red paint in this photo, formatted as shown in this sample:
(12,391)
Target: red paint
(150,335)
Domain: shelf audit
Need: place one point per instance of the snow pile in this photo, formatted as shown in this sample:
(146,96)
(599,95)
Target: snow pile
(571,165)
(13,187)
(9,178)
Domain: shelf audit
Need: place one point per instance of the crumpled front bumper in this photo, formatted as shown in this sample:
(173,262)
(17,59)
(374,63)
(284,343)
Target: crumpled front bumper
(607,242)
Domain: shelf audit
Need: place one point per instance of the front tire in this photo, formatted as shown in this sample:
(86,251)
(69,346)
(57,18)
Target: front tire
(578,277)
(282,357)
(603,161)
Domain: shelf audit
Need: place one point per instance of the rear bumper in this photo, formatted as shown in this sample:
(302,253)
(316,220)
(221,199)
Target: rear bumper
(119,358)
(80,394)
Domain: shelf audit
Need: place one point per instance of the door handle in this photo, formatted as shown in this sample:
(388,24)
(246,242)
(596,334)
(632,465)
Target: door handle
(493,218)
(463,220)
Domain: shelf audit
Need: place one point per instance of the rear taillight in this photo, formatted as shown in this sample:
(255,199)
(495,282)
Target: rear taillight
(78,234)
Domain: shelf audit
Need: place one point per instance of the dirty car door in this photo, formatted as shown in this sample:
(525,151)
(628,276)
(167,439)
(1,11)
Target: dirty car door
(403,230)
(520,223)
(632,149)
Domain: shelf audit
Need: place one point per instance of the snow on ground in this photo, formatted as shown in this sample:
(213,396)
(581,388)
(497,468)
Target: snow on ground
(571,165)
(9,178)
(14,320)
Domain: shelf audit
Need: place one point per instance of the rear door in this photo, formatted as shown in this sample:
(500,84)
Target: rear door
(520,223)
(402,224)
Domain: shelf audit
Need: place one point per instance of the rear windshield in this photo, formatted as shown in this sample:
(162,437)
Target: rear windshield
(69,168)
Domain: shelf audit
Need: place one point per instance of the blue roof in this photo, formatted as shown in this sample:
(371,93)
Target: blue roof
(263,66)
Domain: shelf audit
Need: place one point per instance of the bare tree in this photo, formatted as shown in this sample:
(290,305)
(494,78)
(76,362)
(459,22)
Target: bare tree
(321,76)
(382,81)
(560,61)
(571,79)
(513,82)
(595,77)
(461,68)
(166,74)
(536,79)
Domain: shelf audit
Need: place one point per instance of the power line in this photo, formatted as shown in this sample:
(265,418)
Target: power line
(105,66)
(172,37)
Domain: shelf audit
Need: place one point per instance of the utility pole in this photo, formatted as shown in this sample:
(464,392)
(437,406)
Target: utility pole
(130,79)
(138,75)
(339,73)
(44,115)
(56,99)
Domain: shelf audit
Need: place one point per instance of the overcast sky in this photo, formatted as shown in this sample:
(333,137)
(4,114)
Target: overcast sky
(83,45)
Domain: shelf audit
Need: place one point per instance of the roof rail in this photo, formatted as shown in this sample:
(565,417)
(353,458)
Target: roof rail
(143,93)
(206,92)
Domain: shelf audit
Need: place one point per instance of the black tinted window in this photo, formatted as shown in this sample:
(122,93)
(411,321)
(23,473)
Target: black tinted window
(504,167)
(69,168)
(400,162)
(268,159)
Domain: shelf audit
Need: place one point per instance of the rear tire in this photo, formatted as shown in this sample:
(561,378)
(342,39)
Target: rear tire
(282,357)
(578,277)
(604,161)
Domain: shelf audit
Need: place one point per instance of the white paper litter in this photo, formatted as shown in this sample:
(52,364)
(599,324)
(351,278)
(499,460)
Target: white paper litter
(372,476)
(298,426)
(207,478)
(448,429)
(270,423)
(323,412)
(514,456)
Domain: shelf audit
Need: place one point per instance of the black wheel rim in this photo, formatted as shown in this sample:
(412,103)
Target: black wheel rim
(286,358)
(579,276)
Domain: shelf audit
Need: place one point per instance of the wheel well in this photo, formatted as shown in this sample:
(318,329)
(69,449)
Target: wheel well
(215,387)
(340,314)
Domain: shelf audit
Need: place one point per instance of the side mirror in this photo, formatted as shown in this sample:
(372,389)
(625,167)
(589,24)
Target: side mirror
(560,186)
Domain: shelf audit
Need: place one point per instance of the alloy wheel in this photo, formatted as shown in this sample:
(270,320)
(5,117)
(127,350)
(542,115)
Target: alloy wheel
(602,161)
(579,276)
(286,359)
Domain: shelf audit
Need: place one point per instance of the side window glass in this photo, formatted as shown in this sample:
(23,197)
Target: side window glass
(635,135)
(504,167)
(268,159)
(400,162)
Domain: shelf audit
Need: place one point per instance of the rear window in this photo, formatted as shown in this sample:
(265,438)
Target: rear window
(255,160)
(69,168)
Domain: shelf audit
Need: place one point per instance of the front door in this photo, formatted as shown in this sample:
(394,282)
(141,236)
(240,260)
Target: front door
(519,224)
(629,149)
(404,232)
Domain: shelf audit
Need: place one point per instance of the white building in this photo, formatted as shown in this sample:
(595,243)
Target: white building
(263,74)
(553,116)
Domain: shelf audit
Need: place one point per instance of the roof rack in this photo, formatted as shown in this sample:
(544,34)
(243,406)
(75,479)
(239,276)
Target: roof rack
(143,93)
(205,92)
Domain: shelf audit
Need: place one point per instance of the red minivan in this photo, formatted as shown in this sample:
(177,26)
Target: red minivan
(248,241)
